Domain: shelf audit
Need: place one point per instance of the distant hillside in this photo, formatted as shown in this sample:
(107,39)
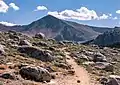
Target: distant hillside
(59,29)
(108,38)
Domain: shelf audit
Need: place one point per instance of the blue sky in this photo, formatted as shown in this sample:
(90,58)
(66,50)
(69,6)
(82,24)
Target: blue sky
(91,12)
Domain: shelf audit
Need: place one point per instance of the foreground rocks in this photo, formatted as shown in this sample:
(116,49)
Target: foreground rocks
(35,73)
(36,53)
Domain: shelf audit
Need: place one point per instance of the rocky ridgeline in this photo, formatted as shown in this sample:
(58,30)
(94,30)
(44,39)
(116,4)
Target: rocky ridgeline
(36,59)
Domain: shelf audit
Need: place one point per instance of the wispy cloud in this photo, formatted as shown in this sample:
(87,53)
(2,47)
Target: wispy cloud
(7,23)
(41,8)
(14,6)
(3,7)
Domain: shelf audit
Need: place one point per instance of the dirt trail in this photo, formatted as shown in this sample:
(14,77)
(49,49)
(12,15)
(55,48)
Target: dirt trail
(80,74)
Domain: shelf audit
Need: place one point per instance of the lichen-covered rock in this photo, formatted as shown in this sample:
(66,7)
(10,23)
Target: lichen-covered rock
(35,73)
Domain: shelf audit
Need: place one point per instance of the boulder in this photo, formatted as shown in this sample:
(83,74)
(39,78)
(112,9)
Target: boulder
(37,53)
(99,57)
(113,80)
(89,54)
(84,57)
(103,80)
(104,66)
(24,42)
(35,73)
(8,75)
(40,36)
(80,56)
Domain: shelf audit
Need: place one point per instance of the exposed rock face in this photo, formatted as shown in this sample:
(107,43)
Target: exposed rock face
(36,53)
(40,36)
(35,73)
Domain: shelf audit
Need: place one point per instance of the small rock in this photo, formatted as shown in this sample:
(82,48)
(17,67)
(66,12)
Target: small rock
(78,81)
(8,76)
(71,72)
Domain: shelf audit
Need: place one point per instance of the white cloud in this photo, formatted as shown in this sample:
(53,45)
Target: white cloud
(118,11)
(104,16)
(40,8)
(14,6)
(3,7)
(80,14)
(110,15)
(7,23)
(115,18)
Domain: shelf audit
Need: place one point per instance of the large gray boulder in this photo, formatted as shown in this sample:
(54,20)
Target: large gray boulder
(35,73)
(37,53)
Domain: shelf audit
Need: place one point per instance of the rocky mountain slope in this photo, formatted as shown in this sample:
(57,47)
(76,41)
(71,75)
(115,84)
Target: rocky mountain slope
(109,38)
(36,60)
(59,29)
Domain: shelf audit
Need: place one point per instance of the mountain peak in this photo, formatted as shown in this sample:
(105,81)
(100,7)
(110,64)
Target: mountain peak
(49,16)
